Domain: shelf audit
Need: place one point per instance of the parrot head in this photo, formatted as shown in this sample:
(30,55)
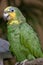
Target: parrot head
(12,13)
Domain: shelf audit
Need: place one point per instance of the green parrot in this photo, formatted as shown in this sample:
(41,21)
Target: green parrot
(24,42)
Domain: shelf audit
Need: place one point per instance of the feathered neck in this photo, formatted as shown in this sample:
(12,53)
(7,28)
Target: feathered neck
(11,22)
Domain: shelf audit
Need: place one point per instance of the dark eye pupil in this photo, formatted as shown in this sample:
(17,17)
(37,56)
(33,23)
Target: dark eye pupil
(12,10)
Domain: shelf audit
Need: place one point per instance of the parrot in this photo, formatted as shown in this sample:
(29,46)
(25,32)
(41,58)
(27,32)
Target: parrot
(24,41)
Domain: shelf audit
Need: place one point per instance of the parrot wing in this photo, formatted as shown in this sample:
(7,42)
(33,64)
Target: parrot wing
(30,40)
(15,46)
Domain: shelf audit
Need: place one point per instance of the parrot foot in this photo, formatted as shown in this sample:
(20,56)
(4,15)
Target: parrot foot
(17,63)
(23,62)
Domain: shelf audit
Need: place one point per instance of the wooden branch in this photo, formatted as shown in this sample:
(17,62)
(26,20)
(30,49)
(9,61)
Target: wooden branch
(38,61)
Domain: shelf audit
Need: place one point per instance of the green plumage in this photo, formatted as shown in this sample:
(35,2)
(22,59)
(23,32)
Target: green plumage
(24,42)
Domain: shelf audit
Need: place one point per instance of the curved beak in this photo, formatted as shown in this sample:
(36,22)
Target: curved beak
(5,16)
(8,16)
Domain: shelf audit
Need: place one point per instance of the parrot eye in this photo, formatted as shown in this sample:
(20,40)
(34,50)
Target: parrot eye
(12,9)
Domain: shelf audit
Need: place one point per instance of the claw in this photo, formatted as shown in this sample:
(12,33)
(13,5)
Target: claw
(23,62)
(17,63)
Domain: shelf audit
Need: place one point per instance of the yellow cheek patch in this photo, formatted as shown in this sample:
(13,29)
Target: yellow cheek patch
(12,15)
(14,22)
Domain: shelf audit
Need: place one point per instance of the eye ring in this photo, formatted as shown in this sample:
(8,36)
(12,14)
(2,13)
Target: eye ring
(11,9)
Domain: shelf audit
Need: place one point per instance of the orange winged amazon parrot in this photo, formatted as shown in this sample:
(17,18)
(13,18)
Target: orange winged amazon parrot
(24,42)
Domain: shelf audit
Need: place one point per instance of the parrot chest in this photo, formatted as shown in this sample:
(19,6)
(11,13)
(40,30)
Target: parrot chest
(14,36)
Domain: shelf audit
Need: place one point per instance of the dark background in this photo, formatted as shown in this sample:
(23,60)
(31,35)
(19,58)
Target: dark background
(31,9)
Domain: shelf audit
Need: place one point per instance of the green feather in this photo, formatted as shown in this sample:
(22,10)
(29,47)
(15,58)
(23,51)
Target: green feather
(24,42)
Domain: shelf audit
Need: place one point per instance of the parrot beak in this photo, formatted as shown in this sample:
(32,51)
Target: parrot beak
(9,16)
(6,16)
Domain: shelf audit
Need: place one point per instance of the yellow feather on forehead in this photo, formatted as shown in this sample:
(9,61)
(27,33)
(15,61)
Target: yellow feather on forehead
(7,9)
